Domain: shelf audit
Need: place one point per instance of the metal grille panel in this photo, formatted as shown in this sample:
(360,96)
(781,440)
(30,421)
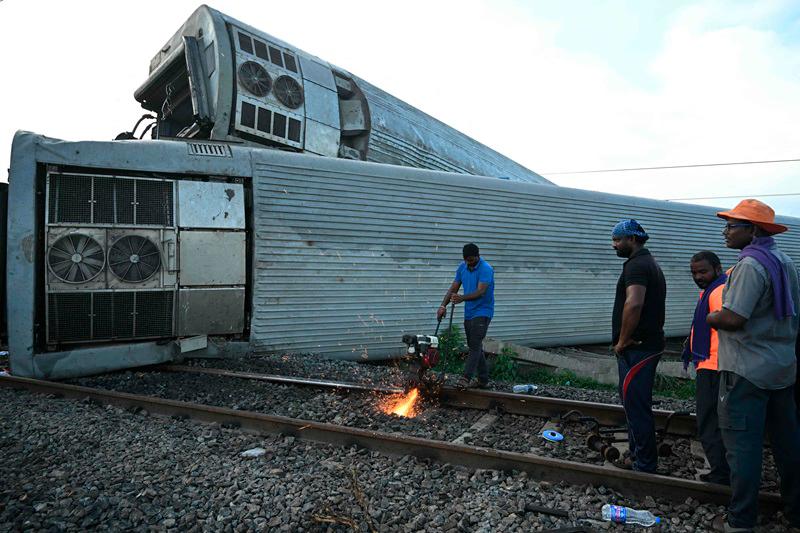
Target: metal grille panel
(209,149)
(123,314)
(104,315)
(85,199)
(70,199)
(154,314)
(125,201)
(268,123)
(69,317)
(104,205)
(154,202)
(98,316)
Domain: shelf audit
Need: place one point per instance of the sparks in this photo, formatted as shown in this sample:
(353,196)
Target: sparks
(402,404)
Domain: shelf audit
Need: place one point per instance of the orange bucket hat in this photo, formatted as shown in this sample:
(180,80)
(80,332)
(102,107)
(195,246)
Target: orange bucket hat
(756,212)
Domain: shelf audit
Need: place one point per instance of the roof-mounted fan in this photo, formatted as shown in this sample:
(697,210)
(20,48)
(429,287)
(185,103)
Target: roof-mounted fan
(254,78)
(134,258)
(289,92)
(75,258)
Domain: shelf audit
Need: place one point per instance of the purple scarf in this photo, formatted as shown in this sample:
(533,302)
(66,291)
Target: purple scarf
(699,346)
(759,250)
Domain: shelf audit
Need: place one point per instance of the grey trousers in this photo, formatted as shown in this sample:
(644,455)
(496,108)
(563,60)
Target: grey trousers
(744,412)
(475,331)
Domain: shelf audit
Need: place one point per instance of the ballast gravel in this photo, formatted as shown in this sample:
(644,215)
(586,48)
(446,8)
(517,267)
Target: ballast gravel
(76,466)
(391,374)
(506,432)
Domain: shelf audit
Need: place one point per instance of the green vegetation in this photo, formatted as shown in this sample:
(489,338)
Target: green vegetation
(504,365)
(664,386)
(683,389)
(451,343)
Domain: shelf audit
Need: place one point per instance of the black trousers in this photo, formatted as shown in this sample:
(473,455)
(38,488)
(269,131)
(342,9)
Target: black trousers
(745,411)
(708,430)
(475,330)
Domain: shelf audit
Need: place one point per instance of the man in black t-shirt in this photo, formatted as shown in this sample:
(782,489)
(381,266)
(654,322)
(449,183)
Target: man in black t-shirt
(638,335)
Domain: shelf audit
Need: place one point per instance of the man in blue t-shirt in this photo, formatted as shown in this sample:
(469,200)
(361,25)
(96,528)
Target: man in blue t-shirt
(477,277)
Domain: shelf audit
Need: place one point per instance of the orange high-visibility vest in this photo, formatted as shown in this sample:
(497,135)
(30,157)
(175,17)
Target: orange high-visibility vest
(714,304)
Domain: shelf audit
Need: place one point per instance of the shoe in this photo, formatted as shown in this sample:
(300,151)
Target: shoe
(625,463)
(706,478)
(478,384)
(720,523)
(462,383)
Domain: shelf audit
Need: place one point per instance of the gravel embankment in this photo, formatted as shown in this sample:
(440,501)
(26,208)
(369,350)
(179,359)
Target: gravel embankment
(508,432)
(353,409)
(74,466)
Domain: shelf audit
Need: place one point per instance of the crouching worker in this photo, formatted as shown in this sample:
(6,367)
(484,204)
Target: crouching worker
(701,350)
(477,277)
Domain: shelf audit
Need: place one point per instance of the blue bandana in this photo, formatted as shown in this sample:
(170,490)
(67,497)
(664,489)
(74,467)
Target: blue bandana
(629,228)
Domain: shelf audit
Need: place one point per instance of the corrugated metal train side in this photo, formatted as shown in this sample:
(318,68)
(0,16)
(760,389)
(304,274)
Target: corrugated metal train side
(342,257)
(351,255)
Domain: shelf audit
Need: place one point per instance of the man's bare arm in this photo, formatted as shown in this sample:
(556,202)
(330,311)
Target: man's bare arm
(726,320)
(631,313)
(450,292)
(448,295)
(477,293)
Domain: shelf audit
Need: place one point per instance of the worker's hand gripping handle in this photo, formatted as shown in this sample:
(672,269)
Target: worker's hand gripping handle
(439,320)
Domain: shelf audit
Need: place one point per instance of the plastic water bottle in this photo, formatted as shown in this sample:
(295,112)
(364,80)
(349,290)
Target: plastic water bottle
(626,515)
(524,389)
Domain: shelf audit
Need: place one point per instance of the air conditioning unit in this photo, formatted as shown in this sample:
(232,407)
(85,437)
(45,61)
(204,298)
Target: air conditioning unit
(110,258)
(270,97)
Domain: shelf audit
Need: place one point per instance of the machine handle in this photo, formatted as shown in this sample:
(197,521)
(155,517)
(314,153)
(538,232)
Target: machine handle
(439,322)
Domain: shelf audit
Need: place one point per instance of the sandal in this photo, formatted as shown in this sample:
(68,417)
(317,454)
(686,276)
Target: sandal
(462,383)
(478,384)
(720,523)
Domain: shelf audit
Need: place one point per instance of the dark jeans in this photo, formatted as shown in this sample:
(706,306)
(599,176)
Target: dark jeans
(708,426)
(744,411)
(475,331)
(637,372)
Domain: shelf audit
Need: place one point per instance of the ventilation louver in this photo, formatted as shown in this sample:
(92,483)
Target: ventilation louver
(134,258)
(255,78)
(288,92)
(76,258)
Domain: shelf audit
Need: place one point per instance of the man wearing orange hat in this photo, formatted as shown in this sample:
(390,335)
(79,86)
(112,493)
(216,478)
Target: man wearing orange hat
(757,328)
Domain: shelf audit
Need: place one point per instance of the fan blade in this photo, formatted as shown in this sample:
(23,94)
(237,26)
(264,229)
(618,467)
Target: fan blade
(97,264)
(84,270)
(83,242)
(72,272)
(142,244)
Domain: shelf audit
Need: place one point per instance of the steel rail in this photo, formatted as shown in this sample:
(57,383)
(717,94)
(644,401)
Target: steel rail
(518,404)
(542,468)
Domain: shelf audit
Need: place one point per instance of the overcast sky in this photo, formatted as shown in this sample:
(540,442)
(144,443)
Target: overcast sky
(555,85)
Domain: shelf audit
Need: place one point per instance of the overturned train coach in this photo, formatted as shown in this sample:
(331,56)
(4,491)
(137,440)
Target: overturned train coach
(126,253)
(220,79)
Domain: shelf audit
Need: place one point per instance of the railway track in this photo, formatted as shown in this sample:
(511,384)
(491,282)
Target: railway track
(518,404)
(543,468)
